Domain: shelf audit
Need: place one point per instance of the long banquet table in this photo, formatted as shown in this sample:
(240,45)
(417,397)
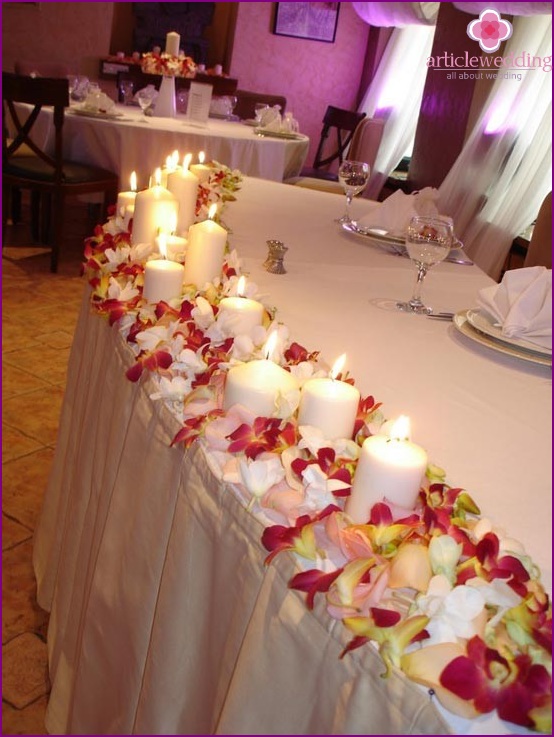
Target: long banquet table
(134,142)
(164,619)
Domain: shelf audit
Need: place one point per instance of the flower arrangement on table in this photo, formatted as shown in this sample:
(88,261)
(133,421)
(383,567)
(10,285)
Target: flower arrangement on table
(168,65)
(446,597)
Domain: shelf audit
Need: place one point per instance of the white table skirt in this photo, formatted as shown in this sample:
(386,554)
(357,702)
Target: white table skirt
(139,143)
(164,619)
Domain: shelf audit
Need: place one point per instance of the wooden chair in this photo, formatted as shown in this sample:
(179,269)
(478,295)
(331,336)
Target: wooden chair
(364,147)
(43,172)
(342,124)
(245,108)
(41,68)
(539,252)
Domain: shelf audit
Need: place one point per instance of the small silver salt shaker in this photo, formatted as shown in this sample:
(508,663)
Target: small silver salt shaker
(276,254)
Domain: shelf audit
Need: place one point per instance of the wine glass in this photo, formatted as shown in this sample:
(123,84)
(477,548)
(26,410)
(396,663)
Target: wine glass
(144,98)
(354,176)
(428,240)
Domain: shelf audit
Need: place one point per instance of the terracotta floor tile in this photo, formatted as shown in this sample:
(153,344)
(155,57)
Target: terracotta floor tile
(16,444)
(57,339)
(13,337)
(29,720)
(16,380)
(20,612)
(13,533)
(24,482)
(24,670)
(36,414)
(55,315)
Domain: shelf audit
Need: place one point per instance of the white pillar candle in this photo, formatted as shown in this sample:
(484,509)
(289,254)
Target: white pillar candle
(174,244)
(183,184)
(125,199)
(390,469)
(257,385)
(163,280)
(171,165)
(245,313)
(172,41)
(154,208)
(200,170)
(205,248)
(330,405)
(128,216)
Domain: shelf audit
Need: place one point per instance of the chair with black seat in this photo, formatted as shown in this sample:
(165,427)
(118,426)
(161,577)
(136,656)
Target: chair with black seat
(42,172)
(342,124)
(245,108)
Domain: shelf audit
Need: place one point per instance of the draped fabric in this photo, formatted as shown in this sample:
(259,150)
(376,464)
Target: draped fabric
(395,93)
(499,180)
(397,15)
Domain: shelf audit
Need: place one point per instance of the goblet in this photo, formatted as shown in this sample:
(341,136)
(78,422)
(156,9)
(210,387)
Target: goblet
(428,242)
(144,98)
(353,175)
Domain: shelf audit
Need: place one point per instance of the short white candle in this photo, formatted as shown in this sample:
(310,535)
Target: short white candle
(257,385)
(244,313)
(330,405)
(163,279)
(174,244)
(183,184)
(205,248)
(171,165)
(172,42)
(389,468)
(125,199)
(200,170)
(154,207)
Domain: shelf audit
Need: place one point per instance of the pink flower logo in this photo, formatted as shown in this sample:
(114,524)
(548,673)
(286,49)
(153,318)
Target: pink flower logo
(490,30)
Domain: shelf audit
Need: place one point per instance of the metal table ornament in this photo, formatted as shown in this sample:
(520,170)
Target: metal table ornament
(276,254)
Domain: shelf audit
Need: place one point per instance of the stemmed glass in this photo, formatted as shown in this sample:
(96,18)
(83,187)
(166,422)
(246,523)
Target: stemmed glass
(428,242)
(354,176)
(144,98)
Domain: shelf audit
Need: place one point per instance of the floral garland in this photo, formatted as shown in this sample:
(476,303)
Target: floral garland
(168,65)
(446,597)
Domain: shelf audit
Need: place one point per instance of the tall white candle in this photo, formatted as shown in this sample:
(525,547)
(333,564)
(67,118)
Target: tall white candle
(172,41)
(171,165)
(163,279)
(154,207)
(205,248)
(128,216)
(200,170)
(125,199)
(390,469)
(183,184)
(257,385)
(242,313)
(330,405)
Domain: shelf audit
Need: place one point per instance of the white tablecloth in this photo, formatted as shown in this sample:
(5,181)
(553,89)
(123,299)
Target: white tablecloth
(138,143)
(163,617)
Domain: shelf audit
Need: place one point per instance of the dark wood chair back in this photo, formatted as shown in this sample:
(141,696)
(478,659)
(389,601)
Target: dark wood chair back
(246,103)
(340,125)
(44,170)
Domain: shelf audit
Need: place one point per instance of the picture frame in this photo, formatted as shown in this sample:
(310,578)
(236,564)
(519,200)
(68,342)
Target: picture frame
(315,21)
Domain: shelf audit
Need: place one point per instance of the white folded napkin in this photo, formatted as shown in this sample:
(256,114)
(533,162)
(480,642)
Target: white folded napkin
(522,304)
(395,213)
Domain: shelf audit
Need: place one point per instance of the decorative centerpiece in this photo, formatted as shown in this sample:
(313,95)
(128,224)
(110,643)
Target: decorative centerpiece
(170,64)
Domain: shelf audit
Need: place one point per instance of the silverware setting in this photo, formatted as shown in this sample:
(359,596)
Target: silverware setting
(441,315)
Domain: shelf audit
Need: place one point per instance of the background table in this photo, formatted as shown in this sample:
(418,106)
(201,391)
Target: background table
(138,143)
(163,617)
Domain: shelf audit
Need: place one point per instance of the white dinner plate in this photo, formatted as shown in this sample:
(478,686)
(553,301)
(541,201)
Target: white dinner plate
(96,113)
(395,244)
(464,326)
(483,322)
(277,134)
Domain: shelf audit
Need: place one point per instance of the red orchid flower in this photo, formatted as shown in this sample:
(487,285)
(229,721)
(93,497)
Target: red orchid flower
(513,687)
(333,469)
(195,427)
(150,361)
(386,535)
(265,434)
(299,538)
(488,565)
(366,408)
(312,582)
(296,354)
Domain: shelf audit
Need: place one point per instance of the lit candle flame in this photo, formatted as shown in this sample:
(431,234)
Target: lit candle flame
(400,429)
(133,181)
(158,177)
(162,244)
(241,286)
(186,161)
(175,159)
(212,211)
(201,157)
(169,162)
(338,366)
(270,345)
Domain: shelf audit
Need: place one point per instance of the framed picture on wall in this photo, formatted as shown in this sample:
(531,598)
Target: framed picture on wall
(315,21)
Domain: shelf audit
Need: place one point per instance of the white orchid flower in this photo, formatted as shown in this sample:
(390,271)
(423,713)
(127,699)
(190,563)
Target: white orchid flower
(495,593)
(304,371)
(118,255)
(189,362)
(313,439)
(444,554)
(203,314)
(121,293)
(172,390)
(141,251)
(113,226)
(151,338)
(260,475)
(243,348)
(286,404)
(317,483)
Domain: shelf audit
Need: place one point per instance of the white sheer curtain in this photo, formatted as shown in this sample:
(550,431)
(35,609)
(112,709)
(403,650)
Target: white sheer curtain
(498,182)
(395,94)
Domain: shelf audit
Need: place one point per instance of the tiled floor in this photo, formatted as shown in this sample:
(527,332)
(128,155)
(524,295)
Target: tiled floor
(39,311)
